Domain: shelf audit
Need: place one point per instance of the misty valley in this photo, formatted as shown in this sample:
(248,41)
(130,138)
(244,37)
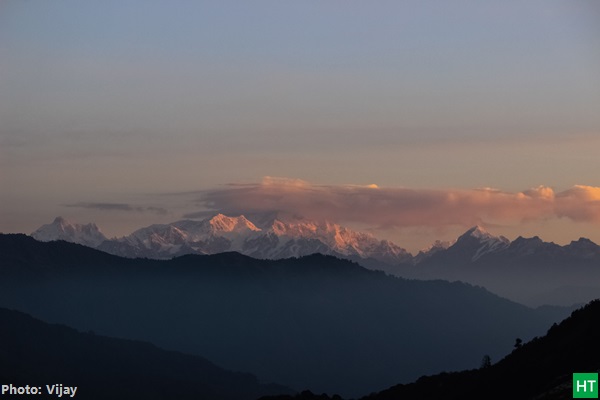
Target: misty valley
(299,200)
(317,322)
(529,271)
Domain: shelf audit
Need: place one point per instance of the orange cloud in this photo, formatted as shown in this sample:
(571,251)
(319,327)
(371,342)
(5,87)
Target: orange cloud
(404,207)
(580,203)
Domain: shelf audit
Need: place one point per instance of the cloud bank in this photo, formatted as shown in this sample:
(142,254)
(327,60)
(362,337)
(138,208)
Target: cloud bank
(404,207)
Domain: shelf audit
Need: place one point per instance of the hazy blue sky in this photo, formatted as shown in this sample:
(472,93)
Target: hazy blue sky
(131,103)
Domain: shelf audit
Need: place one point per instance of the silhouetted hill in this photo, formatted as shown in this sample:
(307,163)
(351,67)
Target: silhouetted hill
(316,322)
(304,395)
(526,270)
(540,369)
(23,256)
(36,353)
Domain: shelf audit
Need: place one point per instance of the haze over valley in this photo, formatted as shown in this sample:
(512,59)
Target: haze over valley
(268,199)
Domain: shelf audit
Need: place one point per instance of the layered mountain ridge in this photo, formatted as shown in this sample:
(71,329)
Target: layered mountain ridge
(527,270)
(347,329)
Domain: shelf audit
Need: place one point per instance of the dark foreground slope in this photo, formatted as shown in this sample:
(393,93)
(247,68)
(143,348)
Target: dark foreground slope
(316,322)
(38,354)
(541,369)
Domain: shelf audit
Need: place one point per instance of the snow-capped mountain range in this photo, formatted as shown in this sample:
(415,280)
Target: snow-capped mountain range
(528,270)
(61,229)
(273,239)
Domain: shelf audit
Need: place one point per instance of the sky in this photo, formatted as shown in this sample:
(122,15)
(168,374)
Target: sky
(410,119)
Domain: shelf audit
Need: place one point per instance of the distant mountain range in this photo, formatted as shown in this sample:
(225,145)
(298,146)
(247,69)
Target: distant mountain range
(316,322)
(527,270)
(271,237)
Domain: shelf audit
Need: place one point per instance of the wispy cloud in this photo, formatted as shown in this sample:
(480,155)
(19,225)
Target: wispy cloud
(118,207)
(405,207)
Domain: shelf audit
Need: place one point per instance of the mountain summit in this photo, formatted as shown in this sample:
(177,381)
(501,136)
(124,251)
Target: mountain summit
(61,229)
(272,237)
(477,242)
(527,270)
(511,269)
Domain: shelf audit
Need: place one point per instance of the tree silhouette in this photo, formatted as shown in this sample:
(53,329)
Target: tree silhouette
(486,362)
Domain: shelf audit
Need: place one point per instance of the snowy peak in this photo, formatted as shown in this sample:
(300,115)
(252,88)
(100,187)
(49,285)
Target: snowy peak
(477,242)
(61,229)
(60,221)
(164,234)
(476,232)
(284,236)
(276,236)
(437,246)
(223,223)
(337,239)
(311,229)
